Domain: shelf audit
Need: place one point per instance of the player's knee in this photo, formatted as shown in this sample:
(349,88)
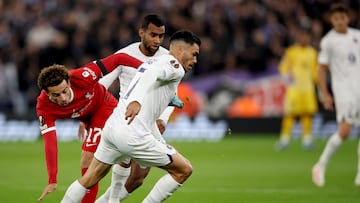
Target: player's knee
(133,183)
(87,182)
(188,170)
(184,173)
(138,181)
(141,175)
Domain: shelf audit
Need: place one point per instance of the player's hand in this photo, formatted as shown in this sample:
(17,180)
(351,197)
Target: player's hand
(161,125)
(81,131)
(49,188)
(132,110)
(328,102)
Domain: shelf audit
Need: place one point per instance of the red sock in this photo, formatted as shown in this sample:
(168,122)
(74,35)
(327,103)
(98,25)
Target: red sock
(90,195)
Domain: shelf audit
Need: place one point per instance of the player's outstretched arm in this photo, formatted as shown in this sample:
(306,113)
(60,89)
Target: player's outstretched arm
(49,188)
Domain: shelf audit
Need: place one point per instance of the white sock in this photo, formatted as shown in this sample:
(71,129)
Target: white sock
(123,193)
(104,198)
(74,193)
(163,189)
(115,192)
(331,146)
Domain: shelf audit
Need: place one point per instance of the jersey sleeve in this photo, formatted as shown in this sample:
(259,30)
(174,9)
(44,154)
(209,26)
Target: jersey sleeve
(91,73)
(142,82)
(109,63)
(166,114)
(170,72)
(48,132)
(147,76)
(324,56)
(108,79)
(51,156)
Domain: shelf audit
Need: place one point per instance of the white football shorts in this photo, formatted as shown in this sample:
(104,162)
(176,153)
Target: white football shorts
(347,107)
(120,143)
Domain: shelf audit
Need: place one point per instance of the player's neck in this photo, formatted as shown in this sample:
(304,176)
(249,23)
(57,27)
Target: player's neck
(144,51)
(341,31)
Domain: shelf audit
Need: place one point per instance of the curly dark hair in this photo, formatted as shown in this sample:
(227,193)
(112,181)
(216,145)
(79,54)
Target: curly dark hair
(52,76)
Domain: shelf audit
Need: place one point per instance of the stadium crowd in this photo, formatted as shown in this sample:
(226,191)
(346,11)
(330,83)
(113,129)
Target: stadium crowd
(247,35)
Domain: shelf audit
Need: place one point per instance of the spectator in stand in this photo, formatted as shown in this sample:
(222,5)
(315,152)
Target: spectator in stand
(78,19)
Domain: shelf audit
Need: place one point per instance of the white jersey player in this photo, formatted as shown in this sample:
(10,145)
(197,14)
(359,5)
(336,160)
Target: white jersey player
(339,54)
(152,34)
(125,73)
(127,133)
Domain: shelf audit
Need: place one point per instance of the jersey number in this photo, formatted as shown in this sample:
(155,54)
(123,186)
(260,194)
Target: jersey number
(93,135)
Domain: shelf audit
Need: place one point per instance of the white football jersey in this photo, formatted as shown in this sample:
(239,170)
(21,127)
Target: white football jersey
(341,52)
(126,73)
(153,86)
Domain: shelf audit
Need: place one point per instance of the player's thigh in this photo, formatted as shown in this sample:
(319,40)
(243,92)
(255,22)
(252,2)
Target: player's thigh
(148,151)
(299,103)
(113,147)
(291,103)
(137,171)
(308,103)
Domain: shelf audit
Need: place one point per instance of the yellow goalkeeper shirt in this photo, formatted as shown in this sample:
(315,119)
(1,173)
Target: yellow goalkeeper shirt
(299,68)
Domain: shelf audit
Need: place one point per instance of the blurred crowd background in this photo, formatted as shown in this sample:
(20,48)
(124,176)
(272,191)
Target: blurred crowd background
(242,36)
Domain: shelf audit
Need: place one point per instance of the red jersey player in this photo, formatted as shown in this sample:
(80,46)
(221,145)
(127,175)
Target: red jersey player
(76,94)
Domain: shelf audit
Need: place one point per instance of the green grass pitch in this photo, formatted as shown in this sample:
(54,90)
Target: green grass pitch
(242,168)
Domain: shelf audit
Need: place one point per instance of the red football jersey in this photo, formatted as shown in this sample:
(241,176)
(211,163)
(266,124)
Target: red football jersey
(91,103)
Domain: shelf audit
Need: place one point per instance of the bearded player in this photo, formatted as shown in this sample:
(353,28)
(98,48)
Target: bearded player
(151,33)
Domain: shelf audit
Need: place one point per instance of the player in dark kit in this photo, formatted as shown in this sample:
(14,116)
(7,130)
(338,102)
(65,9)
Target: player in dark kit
(76,94)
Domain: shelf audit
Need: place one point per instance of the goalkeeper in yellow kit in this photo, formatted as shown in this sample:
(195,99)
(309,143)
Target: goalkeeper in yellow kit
(299,69)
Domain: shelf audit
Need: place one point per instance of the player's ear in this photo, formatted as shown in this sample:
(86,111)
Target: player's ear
(181,48)
(141,33)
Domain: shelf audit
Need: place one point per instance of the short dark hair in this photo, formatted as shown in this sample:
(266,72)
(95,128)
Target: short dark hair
(52,76)
(152,19)
(339,7)
(186,36)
